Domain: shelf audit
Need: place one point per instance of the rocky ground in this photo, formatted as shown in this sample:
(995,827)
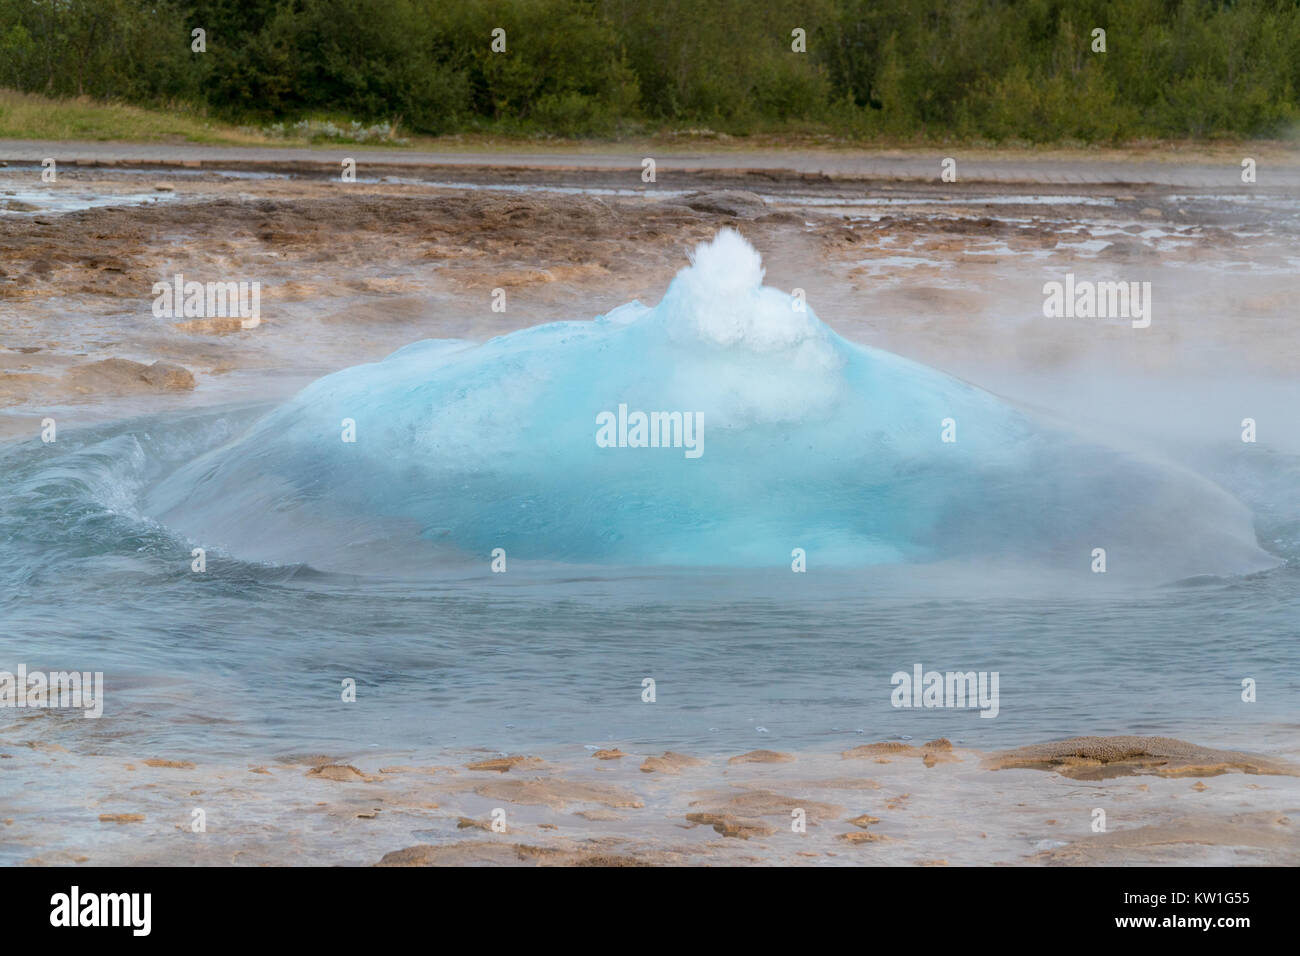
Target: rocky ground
(950,275)
(1093,800)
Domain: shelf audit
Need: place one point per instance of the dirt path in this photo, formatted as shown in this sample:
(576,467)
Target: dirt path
(921,166)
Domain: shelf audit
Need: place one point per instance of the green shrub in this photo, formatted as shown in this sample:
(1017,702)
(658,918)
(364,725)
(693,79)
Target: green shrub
(901,69)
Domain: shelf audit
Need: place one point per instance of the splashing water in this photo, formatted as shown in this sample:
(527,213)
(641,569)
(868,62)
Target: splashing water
(801,440)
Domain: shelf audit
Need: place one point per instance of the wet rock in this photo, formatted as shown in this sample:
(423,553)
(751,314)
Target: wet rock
(766,803)
(781,218)
(1096,758)
(500,853)
(864,821)
(558,794)
(671,763)
(598,815)
(116,375)
(341,773)
(878,749)
(218,325)
(728,202)
(504,764)
(761,756)
(730,826)
(931,753)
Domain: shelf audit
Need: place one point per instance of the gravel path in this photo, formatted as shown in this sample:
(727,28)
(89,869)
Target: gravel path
(840,164)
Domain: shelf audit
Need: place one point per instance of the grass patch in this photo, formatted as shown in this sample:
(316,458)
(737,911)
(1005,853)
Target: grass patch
(31,116)
(35,117)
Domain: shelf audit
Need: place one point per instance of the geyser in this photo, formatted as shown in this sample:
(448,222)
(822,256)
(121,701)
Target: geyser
(856,455)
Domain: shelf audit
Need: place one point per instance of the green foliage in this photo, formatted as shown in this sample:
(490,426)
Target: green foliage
(992,70)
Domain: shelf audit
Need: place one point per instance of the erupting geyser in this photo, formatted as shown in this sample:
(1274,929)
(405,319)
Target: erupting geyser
(725,426)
